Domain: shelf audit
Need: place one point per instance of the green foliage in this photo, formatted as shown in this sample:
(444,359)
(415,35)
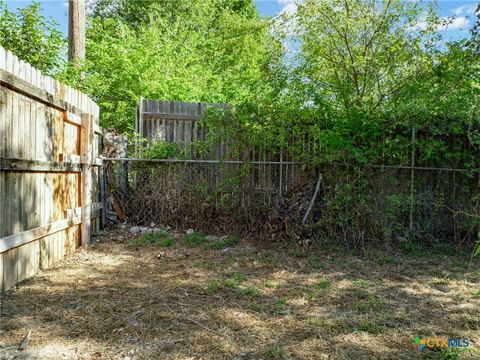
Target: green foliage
(213,286)
(231,283)
(275,353)
(412,249)
(250,291)
(230,241)
(239,277)
(315,262)
(195,238)
(368,326)
(476,251)
(162,150)
(387,260)
(32,37)
(320,288)
(202,50)
(362,284)
(364,75)
(322,284)
(451,353)
(299,253)
(235,280)
(280,305)
(161,238)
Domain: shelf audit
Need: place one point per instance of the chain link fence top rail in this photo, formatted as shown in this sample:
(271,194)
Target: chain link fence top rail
(355,202)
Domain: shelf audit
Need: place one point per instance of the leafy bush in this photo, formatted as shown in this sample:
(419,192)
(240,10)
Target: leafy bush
(230,241)
(162,150)
(195,238)
(160,237)
(32,37)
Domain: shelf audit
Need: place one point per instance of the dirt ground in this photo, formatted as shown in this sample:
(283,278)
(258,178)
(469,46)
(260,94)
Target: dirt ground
(172,300)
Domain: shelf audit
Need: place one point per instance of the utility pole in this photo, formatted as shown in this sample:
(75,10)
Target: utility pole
(76,30)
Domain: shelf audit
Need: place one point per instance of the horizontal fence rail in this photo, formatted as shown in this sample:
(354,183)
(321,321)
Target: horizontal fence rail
(354,202)
(179,193)
(171,121)
(50,170)
(375,166)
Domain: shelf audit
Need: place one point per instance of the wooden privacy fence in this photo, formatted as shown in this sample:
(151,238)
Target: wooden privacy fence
(178,122)
(171,121)
(49,170)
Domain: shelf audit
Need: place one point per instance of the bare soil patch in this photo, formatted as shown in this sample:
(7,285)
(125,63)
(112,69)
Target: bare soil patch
(191,300)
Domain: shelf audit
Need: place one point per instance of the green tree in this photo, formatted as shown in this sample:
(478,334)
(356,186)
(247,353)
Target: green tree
(366,72)
(32,37)
(209,50)
(372,70)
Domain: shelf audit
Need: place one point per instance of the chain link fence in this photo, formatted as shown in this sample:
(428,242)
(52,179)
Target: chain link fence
(211,195)
(355,203)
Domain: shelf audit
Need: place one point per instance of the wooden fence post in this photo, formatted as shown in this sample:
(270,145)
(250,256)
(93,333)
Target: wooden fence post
(86,146)
(412,182)
(76,30)
(103,197)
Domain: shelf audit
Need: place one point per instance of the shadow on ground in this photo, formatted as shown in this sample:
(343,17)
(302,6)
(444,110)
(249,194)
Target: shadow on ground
(116,301)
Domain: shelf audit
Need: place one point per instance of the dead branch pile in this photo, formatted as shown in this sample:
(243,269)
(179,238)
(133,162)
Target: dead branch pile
(286,219)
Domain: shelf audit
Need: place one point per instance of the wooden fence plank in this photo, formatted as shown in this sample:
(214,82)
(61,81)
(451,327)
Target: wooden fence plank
(86,157)
(9,268)
(15,164)
(28,261)
(44,96)
(24,237)
(2,287)
(40,125)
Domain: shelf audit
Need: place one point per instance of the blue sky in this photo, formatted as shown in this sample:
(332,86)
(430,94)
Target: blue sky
(463,10)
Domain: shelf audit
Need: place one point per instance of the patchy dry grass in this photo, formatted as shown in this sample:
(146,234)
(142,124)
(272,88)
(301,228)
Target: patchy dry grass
(116,300)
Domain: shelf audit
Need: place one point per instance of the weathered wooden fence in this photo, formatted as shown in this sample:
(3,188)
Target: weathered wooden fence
(49,173)
(171,121)
(178,122)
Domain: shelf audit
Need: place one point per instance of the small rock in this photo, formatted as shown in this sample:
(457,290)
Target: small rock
(190,231)
(286,311)
(133,322)
(152,225)
(211,238)
(243,356)
(226,251)
(145,230)
(135,230)
(138,312)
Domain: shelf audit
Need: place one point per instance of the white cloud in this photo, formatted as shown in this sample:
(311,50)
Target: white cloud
(446,23)
(420,25)
(457,23)
(464,10)
(289,6)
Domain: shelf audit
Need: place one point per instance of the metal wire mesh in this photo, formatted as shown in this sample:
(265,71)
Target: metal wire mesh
(355,202)
(200,194)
